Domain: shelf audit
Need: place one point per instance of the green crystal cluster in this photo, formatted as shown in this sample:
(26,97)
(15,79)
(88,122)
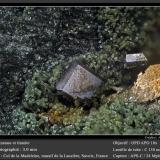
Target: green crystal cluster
(122,117)
(59,120)
(40,90)
(25,123)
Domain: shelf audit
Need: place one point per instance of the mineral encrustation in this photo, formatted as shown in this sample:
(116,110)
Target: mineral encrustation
(147,86)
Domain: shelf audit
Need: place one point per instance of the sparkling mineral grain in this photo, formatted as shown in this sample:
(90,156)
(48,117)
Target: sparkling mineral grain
(79,82)
(137,57)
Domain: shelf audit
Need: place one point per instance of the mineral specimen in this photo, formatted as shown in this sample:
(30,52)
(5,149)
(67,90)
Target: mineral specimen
(60,114)
(79,82)
(135,57)
(36,46)
(147,86)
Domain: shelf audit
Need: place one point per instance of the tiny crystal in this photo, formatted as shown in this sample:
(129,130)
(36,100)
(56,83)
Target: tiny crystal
(137,57)
(79,82)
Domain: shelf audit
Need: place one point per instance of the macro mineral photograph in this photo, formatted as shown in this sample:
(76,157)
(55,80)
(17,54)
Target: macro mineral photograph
(79,70)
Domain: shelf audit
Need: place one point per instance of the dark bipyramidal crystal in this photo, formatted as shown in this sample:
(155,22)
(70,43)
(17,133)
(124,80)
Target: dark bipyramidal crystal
(79,82)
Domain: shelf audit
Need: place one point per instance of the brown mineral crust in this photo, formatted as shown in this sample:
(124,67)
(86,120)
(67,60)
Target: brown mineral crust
(147,86)
(62,115)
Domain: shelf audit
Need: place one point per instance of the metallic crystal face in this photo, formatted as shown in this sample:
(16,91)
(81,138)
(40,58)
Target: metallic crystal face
(137,57)
(79,82)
